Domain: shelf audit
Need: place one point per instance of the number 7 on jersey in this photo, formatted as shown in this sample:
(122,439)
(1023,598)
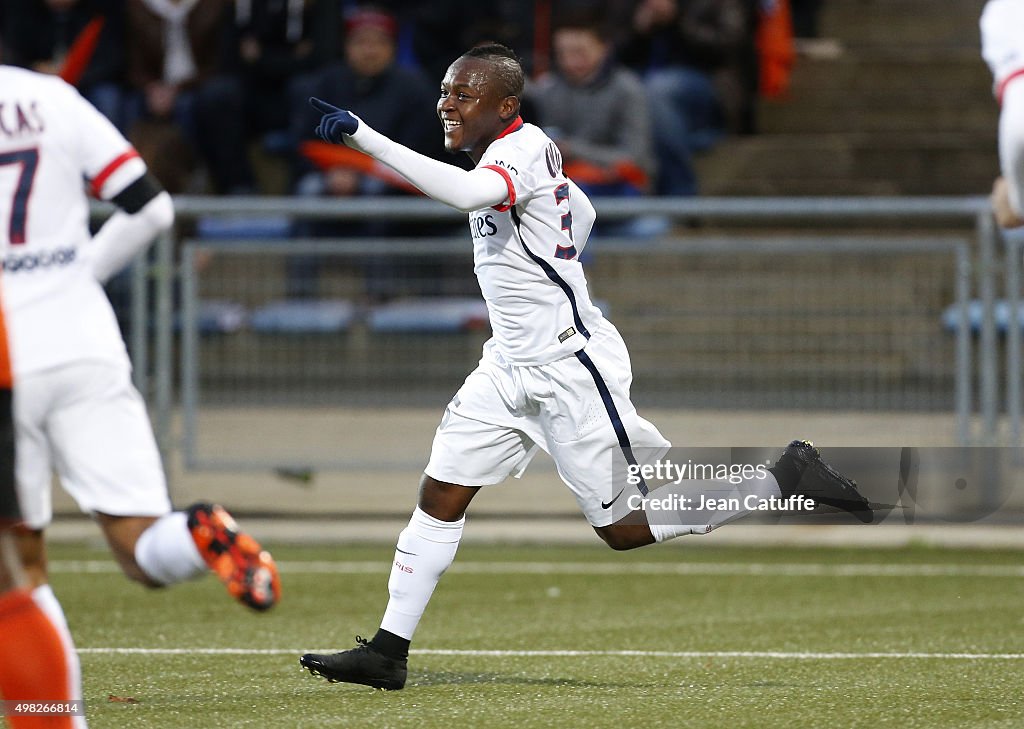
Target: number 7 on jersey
(29,161)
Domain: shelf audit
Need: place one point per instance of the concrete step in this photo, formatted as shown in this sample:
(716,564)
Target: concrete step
(906,108)
(863,70)
(882,115)
(882,91)
(851,164)
(902,23)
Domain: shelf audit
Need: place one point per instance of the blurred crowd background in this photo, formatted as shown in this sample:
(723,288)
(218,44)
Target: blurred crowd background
(213,92)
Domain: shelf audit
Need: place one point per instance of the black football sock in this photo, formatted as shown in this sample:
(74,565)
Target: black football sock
(390,645)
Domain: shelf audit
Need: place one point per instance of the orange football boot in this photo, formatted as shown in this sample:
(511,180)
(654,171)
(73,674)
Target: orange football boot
(245,568)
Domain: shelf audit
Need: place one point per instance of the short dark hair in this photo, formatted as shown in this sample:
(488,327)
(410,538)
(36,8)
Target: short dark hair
(508,69)
(585,20)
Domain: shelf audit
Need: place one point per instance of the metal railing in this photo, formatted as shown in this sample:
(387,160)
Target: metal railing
(1014,243)
(701,332)
(958,214)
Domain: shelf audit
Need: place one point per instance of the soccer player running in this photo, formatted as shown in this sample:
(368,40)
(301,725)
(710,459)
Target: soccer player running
(75,407)
(555,374)
(1002,46)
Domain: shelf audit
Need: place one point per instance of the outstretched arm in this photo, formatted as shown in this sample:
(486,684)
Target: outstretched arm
(463,190)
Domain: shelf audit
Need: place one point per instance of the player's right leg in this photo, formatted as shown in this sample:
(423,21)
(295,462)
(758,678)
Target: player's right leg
(425,550)
(480,441)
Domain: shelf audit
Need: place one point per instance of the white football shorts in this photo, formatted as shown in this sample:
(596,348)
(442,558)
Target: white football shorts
(88,422)
(577,409)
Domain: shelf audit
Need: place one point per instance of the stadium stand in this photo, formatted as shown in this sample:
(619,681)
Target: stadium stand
(905,108)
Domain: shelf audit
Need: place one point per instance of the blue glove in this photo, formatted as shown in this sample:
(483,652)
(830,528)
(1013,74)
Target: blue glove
(334,123)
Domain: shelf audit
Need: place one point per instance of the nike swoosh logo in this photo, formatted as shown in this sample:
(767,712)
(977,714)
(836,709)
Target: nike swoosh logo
(411,554)
(609,504)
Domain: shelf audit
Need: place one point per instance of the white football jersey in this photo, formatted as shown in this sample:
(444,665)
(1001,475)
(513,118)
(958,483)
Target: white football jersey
(1002,41)
(525,256)
(53,144)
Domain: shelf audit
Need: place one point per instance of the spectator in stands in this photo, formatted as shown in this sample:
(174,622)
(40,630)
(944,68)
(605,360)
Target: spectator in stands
(445,28)
(806,29)
(805,17)
(698,59)
(269,43)
(380,91)
(392,98)
(596,112)
(605,150)
(78,40)
(173,49)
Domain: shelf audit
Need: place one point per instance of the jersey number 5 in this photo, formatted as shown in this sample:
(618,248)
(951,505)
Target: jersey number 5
(29,161)
(562,196)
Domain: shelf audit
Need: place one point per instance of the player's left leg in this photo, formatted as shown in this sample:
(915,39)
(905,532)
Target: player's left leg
(124,486)
(799,471)
(122,534)
(595,434)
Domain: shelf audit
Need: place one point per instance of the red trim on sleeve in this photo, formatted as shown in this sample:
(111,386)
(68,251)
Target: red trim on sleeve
(1006,82)
(511,189)
(515,126)
(100,180)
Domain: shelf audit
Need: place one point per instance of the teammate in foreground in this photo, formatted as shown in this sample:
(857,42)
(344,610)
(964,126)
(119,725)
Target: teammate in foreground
(75,407)
(555,375)
(1002,45)
(31,645)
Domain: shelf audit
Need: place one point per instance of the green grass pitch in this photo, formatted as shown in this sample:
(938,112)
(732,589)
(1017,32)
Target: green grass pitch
(720,637)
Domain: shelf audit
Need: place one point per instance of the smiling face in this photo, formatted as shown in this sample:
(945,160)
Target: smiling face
(473,106)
